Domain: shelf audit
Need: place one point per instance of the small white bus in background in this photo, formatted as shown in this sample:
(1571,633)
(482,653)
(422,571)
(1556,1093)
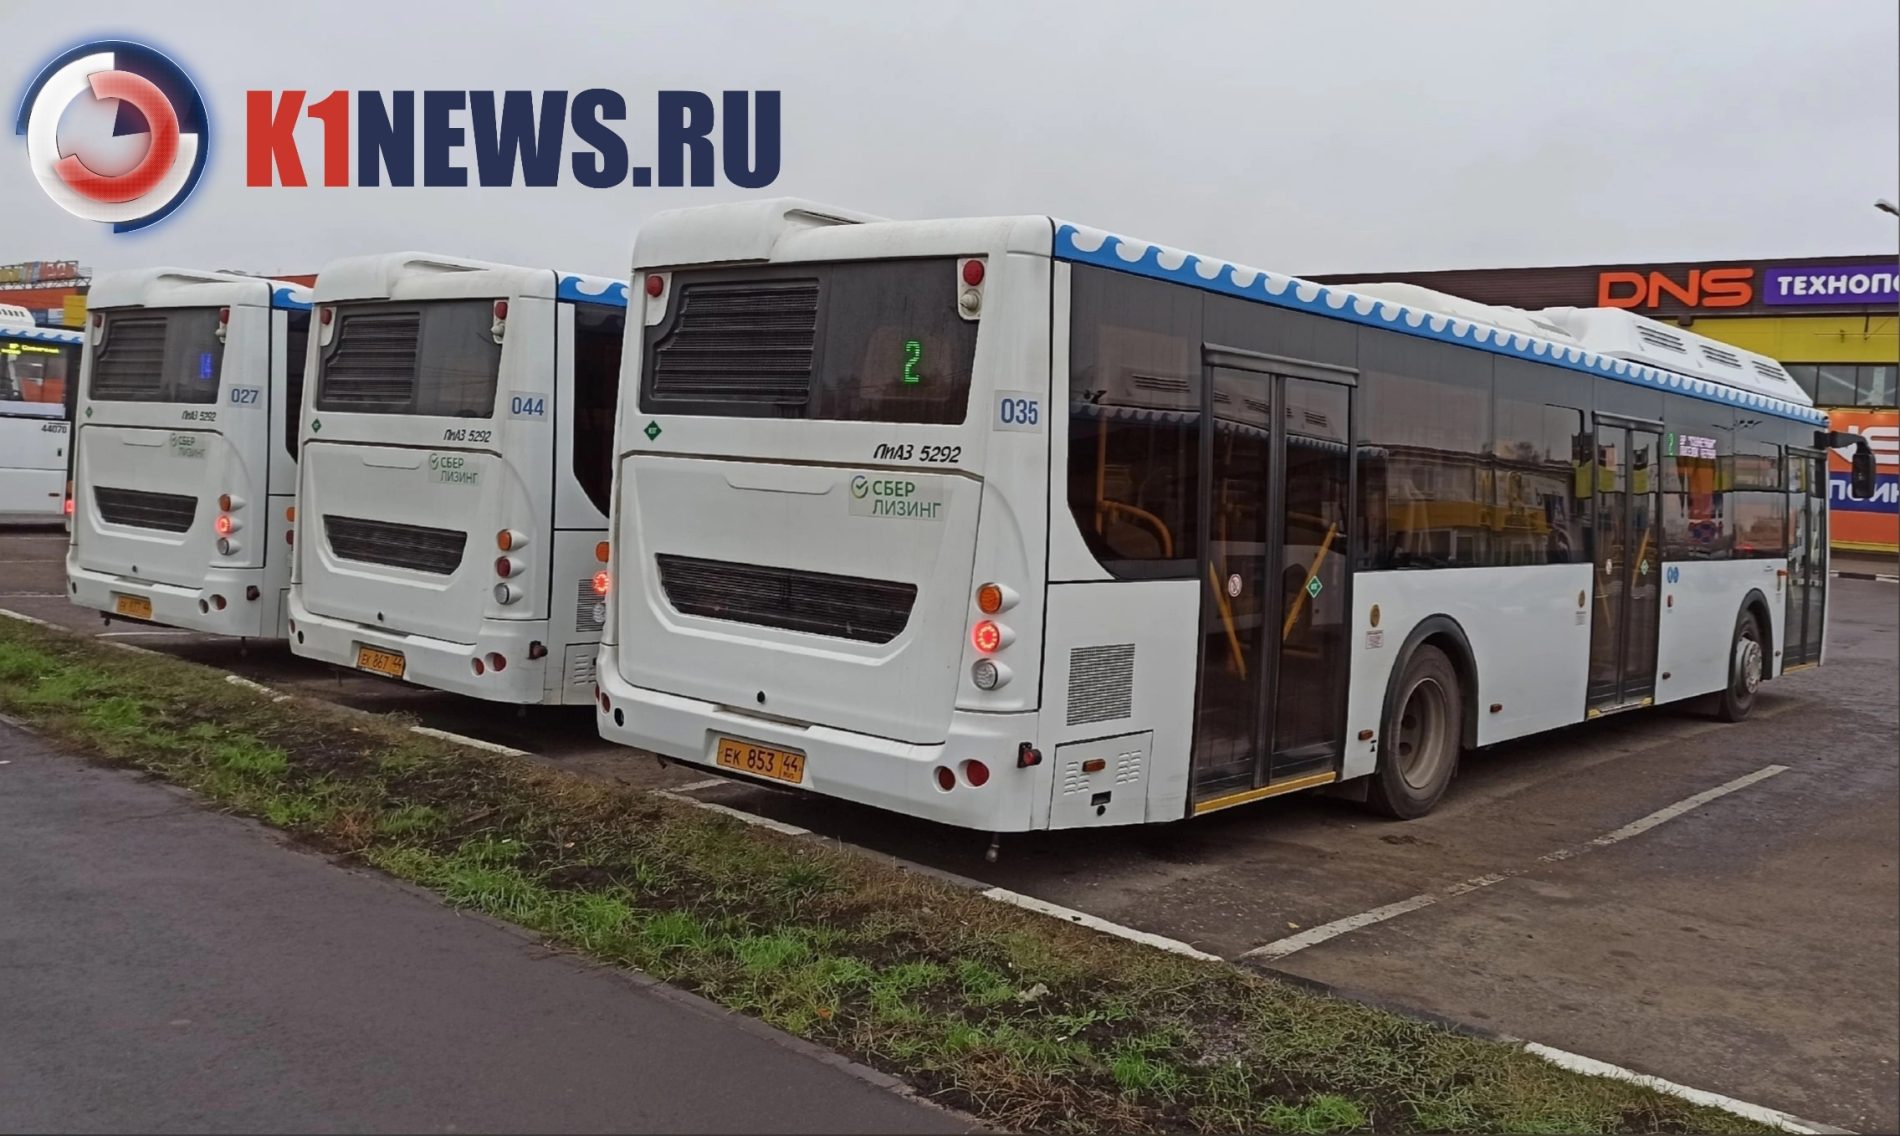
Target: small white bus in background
(184,454)
(1013,524)
(457,456)
(37,367)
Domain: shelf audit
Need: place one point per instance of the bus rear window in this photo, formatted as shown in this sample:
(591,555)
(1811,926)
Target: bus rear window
(865,341)
(34,377)
(437,358)
(158,355)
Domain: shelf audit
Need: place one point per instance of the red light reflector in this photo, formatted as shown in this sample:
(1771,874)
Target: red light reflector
(325,315)
(946,780)
(476,665)
(497,662)
(656,285)
(602,582)
(973,272)
(504,567)
(69,506)
(987,636)
(976,773)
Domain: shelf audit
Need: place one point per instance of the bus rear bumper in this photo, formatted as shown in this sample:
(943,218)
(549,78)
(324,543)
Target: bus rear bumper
(175,605)
(880,772)
(438,664)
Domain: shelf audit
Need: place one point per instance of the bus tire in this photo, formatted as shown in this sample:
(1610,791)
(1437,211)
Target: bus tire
(1747,658)
(1420,740)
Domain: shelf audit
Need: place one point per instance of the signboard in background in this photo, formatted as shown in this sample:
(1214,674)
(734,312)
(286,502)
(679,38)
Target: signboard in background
(74,312)
(1872,525)
(33,273)
(1832,284)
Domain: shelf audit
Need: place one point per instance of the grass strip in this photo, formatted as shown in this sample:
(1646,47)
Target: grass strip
(1026,1022)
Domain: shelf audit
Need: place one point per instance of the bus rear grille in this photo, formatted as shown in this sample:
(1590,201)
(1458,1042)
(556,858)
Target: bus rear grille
(166,512)
(739,343)
(1101,683)
(374,362)
(590,608)
(843,607)
(416,547)
(130,365)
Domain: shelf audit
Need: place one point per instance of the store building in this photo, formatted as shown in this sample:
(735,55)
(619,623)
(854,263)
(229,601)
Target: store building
(1833,321)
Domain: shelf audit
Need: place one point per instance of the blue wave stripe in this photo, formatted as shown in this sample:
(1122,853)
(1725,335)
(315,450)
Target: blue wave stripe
(46,334)
(1209,275)
(592,290)
(285,297)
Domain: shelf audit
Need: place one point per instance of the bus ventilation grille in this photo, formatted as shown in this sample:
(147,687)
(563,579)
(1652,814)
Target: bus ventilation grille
(373,364)
(818,603)
(421,549)
(130,364)
(166,512)
(1101,683)
(590,607)
(748,343)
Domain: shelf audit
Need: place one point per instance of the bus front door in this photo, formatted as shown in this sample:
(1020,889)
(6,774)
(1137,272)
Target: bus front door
(1274,572)
(1628,579)
(1807,558)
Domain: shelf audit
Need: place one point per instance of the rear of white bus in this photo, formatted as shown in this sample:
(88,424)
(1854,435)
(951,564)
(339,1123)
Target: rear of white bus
(179,444)
(831,509)
(37,367)
(436,542)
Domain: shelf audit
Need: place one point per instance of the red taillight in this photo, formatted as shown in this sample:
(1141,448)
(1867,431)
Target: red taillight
(224,524)
(224,315)
(497,662)
(602,582)
(217,602)
(69,506)
(501,309)
(656,285)
(973,272)
(325,315)
(976,773)
(987,637)
(476,665)
(600,696)
(290,536)
(946,780)
(98,319)
(506,566)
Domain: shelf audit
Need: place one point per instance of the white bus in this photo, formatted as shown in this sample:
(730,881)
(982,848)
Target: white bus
(184,455)
(37,365)
(1013,524)
(457,456)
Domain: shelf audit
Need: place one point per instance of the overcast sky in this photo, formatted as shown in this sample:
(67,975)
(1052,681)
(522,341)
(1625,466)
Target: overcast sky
(1308,137)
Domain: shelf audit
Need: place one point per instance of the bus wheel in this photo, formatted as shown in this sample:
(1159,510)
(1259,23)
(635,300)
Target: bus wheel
(1745,662)
(1418,748)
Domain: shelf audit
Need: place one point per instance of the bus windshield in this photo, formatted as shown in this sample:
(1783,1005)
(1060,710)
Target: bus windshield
(437,358)
(33,378)
(867,341)
(158,355)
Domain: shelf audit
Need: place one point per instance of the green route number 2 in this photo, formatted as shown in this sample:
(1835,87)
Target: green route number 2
(913,355)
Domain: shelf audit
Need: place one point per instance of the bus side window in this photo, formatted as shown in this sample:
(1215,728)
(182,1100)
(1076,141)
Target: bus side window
(598,334)
(296,339)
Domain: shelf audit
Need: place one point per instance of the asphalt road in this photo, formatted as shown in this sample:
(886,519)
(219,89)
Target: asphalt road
(1746,944)
(164,968)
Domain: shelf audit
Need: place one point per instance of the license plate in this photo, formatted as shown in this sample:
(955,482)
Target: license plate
(382,662)
(785,765)
(137,607)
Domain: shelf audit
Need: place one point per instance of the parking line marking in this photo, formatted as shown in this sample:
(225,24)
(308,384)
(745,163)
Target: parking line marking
(10,614)
(1096,923)
(1590,1066)
(474,743)
(1313,936)
(752,819)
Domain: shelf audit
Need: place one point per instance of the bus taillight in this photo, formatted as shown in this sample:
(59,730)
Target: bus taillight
(500,327)
(602,582)
(510,539)
(600,552)
(987,636)
(224,322)
(507,567)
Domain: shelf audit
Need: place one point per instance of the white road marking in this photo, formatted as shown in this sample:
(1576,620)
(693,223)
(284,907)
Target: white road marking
(708,783)
(23,618)
(1313,936)
(1590,1066)
(1083,918)
(172,631)
(463,739)
(34,595)
(239,680)
(753,819)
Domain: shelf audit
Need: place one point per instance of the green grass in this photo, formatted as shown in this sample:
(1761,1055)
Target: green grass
(1029,1023)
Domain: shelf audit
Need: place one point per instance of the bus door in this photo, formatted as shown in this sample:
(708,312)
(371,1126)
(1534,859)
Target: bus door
(1807,557)
(1629,574)
(1274,561)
